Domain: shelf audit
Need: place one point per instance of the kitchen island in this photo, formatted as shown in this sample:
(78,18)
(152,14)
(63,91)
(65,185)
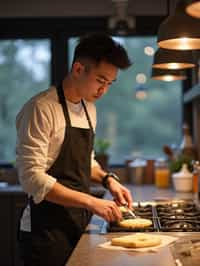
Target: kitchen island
(88,252)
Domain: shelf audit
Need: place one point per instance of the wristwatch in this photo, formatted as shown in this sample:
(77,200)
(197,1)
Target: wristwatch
(105,179)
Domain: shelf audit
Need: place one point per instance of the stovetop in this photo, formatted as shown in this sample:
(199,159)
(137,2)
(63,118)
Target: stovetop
(174,216)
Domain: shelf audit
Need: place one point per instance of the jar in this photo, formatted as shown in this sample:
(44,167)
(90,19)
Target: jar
(162,174)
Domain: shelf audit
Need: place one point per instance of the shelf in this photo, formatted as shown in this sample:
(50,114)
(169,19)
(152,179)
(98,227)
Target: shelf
(192,94)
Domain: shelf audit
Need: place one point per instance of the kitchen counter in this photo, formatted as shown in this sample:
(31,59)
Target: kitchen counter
(87,251)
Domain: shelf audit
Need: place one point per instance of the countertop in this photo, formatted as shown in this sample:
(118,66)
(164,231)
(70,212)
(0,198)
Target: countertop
(87,251)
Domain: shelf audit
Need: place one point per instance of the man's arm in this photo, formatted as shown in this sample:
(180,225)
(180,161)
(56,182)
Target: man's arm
(67,197)
(119,192)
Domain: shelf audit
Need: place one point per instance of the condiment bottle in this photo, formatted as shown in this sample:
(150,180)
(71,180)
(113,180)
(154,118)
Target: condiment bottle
(196,173)
(162,173)
(187,146)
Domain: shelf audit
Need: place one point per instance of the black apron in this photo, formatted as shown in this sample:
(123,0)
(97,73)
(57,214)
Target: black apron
(55,230)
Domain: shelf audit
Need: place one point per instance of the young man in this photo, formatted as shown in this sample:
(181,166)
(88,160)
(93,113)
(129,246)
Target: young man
(55,157)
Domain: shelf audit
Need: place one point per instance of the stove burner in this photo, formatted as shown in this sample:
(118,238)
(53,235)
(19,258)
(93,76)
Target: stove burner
(184,225)
(167,217)
(177,207)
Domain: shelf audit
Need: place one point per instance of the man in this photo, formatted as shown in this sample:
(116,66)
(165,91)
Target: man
(55,159)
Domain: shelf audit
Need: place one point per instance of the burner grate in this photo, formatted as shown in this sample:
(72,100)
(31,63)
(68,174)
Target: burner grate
(166,217)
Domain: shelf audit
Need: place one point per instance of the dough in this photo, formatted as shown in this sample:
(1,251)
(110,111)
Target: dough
(122,209)
(135,223)
(138,240)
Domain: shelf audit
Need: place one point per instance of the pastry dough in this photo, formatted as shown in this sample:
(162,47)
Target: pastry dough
(135,223)
(138,240)
(122,209)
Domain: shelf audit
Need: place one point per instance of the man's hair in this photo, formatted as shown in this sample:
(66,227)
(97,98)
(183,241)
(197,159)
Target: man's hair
(99,47)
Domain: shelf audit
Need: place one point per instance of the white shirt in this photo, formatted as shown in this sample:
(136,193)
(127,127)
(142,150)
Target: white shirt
(40,130)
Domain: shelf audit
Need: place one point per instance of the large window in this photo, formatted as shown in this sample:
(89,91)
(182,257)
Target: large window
(24,71)
(138,127)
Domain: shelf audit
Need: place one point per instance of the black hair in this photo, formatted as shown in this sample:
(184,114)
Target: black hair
(99,47)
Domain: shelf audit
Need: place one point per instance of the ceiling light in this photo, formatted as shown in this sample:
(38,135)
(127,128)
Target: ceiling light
(179,31)
(167,74)
(193,8)
(173,59)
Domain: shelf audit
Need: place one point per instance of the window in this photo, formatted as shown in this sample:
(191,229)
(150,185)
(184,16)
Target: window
(139,127)
(24,71)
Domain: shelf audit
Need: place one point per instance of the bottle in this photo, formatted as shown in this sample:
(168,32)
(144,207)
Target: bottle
(196,174)
(162,173)
(187,147)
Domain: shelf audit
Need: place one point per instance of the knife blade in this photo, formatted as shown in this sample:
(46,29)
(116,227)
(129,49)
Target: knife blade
(130,211)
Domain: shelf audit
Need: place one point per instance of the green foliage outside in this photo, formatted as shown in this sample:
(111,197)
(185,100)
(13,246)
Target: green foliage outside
(24,71)
(133,127)
(101,146)
(140,127)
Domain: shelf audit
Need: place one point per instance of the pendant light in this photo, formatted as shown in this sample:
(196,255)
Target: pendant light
(167,74)
(173,59)
(193,8)
(179,31)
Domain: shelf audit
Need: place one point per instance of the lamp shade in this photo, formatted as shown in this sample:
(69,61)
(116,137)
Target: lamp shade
(167,74)
(193,8)
(180,31)
(173,59)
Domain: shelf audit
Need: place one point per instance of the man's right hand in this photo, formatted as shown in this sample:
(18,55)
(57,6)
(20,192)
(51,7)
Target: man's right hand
(107,209)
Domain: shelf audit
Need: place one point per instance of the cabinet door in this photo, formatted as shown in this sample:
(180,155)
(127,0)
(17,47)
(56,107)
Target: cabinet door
(5,232)
(19,202)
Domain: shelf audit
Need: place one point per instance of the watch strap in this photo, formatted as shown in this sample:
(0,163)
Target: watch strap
(105,179)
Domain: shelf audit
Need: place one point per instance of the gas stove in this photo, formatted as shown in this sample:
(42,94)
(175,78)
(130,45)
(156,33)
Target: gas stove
(174,216)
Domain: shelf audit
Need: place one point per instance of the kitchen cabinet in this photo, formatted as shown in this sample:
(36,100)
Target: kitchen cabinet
(11,204)
(12,201)
(5,232)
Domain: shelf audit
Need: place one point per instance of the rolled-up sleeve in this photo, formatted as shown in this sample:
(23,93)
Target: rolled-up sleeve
(34,125)
(94,163)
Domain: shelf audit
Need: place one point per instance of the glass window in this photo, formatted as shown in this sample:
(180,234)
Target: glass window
(24,71)
(139,127)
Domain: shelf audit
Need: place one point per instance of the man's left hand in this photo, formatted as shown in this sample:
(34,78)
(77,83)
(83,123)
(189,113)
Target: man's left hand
(120,193)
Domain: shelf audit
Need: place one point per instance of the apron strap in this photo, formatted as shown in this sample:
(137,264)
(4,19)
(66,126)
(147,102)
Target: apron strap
(62,100)
(87,115)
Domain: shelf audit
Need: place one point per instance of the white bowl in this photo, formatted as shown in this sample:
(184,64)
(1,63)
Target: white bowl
(182,184)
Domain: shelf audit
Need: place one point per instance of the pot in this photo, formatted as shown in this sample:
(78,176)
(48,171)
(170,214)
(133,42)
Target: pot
(183,180)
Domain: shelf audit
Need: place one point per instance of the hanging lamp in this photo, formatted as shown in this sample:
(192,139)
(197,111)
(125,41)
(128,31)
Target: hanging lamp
(167,74)
(193,8)
(173,59)
(179,31)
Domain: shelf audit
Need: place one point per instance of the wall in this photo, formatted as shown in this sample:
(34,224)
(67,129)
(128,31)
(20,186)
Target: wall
(32,8)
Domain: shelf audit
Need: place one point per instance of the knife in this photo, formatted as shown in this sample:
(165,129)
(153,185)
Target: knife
(130,211)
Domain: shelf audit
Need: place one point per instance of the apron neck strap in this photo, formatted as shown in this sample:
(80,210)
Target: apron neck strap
(62,101)
(87,115)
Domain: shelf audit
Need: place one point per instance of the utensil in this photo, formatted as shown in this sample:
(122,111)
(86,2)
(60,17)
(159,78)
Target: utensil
(130,211)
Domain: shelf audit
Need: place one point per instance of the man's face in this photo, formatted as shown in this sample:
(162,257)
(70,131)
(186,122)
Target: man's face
(94,80)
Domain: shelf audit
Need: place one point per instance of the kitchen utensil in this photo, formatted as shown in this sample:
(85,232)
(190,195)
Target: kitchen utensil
(130,211)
